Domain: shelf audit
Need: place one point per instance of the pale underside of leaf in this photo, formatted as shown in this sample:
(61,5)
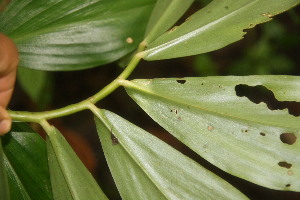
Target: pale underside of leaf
(130,179)
(219,24)
(233,133)
(169,172)
(164,15)
(60,187)
(74,181)
(73,35)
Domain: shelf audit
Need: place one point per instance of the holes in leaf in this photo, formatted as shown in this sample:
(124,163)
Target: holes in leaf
(288,138)
(262,134)
(244,130)
(285,164)
(259,93)
(174,111)
(181,81)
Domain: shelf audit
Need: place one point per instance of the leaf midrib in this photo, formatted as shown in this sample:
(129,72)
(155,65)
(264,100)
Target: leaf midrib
(195,32)
(141,88)
(104,121)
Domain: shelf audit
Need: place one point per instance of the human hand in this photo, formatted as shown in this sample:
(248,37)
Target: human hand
(9,60)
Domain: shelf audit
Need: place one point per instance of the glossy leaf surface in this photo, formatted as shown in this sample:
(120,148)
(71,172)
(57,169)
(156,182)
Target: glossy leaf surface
(164,15)
(26,164)
(69,177)
(237,135)
(144,167)
(219,24)
(73,35)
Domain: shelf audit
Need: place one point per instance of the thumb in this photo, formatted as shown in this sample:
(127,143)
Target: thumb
(5,121)
(8,67)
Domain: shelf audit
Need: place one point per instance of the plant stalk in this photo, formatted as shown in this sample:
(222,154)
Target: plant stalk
(39,117)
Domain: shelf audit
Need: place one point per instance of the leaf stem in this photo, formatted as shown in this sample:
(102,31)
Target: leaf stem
(115,83)
(38,117)
(46,126)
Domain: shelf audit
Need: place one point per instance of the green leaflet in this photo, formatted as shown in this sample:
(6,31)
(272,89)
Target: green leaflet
(26,164)
(73,35)
(144,167)
(37,84)
(4,189)
(242,138)
(17,188)
(69,177)
(164,15)
(219,24)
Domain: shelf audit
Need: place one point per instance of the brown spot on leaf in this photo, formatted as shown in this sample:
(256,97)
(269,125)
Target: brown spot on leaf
(288,138)
(172,29)
(285,164)
(210,128)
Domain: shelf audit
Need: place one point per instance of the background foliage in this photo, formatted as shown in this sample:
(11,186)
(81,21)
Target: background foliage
(260,55)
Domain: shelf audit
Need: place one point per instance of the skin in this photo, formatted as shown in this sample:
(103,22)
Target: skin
(9,60)
(3,4)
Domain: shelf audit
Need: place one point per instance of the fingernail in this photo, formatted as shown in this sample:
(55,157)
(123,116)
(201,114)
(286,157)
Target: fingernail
(5,125)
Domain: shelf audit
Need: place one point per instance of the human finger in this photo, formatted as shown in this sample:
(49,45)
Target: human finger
(5,121)
(9,59)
